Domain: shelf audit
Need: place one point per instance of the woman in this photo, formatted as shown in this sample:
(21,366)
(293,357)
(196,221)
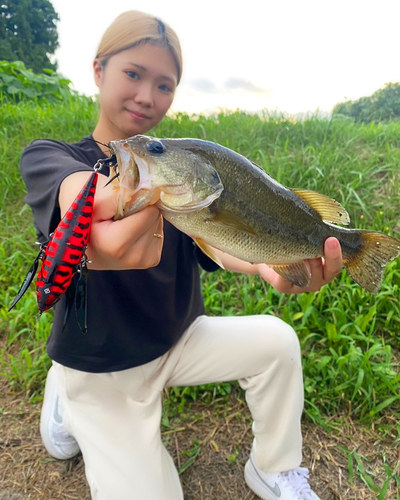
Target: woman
(146,324)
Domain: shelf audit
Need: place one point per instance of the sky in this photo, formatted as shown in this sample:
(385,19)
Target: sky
(294,56)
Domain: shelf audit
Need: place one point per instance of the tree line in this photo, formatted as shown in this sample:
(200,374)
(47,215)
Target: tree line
(382,105)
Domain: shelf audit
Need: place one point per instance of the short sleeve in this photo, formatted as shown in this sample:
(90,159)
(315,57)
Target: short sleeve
(44,165)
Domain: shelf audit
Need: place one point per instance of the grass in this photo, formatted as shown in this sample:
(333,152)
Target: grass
(349,338)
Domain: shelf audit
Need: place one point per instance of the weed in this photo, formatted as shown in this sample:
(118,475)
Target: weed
(349,338)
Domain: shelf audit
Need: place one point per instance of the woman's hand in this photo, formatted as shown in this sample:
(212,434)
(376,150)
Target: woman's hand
(323,271)
(114,245)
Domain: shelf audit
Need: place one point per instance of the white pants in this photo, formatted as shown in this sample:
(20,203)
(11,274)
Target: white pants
(115,417)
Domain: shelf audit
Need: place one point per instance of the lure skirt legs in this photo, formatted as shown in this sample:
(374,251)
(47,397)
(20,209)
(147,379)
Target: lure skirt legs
(115,417)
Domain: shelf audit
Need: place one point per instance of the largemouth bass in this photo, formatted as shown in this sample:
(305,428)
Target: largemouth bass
(223,200)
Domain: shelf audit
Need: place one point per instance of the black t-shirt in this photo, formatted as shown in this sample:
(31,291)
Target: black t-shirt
(134,316)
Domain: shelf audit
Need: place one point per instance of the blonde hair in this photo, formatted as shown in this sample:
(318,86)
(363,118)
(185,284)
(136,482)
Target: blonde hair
(133,28)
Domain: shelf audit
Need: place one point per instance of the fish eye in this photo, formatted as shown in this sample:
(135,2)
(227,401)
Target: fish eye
(155,147)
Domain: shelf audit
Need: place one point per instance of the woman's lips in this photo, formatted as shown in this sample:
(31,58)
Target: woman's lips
(138,116)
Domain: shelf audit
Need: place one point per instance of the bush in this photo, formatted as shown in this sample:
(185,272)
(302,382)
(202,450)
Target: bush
(20,84)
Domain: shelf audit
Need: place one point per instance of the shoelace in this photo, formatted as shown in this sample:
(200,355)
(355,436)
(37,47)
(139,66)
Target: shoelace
(297,478)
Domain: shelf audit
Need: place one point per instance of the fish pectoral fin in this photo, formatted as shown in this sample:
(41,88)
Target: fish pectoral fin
(205,248)
(297,273)
(330,210)
(228,218)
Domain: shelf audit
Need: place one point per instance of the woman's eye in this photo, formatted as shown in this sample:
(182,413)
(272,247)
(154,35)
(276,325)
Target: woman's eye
(133,75)
(165,88)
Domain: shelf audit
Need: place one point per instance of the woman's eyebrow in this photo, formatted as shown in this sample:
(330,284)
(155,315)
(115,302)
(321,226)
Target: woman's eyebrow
(143,68)
(137,66)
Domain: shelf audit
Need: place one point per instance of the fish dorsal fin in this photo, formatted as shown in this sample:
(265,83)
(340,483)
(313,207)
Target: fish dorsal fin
(297,273)
(205,248)
(330,210)
(234,221)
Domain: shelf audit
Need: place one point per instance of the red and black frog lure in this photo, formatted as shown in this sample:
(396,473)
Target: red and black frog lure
(64,255)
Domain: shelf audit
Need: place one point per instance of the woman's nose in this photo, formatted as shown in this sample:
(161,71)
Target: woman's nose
(144,95)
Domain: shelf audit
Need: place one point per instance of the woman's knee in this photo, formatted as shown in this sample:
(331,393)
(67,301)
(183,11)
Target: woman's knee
(286,343)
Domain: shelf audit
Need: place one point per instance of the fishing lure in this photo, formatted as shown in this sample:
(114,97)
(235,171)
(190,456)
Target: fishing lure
(64,255)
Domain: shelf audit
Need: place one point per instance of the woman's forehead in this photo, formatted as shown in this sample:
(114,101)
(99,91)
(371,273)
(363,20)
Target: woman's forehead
(148,57)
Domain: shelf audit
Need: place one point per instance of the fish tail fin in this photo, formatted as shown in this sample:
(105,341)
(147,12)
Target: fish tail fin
(367,266)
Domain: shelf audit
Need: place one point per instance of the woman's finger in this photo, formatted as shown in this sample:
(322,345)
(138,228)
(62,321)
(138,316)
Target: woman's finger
(333,259)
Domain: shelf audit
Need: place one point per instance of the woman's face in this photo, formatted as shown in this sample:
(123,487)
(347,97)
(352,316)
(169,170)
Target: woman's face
(136,89)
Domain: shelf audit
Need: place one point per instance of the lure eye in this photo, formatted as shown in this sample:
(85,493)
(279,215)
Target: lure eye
(155,147)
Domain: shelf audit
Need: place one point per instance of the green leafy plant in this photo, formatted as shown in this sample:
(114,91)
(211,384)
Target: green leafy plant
(349,339)
(18,84)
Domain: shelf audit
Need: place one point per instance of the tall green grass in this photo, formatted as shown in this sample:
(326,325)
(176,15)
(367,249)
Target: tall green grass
(349,338)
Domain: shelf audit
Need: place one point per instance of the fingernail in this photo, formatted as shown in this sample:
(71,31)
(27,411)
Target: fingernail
(332,243)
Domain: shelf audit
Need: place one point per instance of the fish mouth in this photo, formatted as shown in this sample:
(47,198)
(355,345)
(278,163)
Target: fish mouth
(136,185)
(127,174)
(130,167)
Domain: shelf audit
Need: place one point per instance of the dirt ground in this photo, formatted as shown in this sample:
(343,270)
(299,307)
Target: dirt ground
(211,442)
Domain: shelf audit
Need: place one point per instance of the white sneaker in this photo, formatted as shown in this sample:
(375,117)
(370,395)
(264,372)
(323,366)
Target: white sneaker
(56,439)
(288,485)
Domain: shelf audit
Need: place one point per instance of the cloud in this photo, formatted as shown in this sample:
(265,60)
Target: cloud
(203,85)
(231,85)
(234,83)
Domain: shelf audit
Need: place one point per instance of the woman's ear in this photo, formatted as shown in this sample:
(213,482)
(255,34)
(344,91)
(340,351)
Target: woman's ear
(98,71)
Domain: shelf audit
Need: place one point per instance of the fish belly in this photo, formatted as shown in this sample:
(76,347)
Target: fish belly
(268,246)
